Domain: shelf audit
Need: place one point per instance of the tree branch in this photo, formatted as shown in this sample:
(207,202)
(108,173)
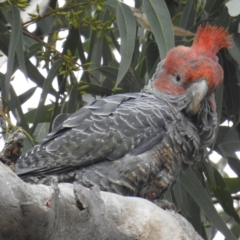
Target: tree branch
(70,211)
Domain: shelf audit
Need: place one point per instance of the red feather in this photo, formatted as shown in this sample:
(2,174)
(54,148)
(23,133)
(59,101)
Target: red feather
(210,39)
(196,62)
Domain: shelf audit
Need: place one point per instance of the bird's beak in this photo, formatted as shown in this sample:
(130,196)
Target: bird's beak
(196,93)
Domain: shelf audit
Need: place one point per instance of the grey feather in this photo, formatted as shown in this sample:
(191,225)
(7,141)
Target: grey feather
(121,143)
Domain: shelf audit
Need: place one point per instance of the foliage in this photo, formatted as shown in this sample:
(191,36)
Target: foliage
(98,29)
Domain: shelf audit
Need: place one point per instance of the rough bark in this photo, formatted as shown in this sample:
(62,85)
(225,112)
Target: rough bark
(70,211)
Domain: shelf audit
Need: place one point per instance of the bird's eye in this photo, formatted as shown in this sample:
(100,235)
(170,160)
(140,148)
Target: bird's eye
(178,78)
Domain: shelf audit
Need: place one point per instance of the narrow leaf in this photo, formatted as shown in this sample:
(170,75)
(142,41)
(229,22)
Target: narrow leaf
(14,37)
(45,116)
(73,98)
(160,21)
(234,163)
(41,131)
(46,88)
(72,40)
(233,184)
(222,193)
(112,3)
(188,18)
(32,50)
(96,59)
(109,72)
(14,103)
(20,53)
(127,28)
(199,194)
(228,141)
(37,77)
(26,95)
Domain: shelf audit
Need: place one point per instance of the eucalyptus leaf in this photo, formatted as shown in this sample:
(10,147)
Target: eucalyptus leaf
(26,95)
(233,184)
(161,25)
(188,18)
(14,38)
(45,116)
(196,190)
(46,88)
(222,193)
(20,52)
(14,103)
(127,31)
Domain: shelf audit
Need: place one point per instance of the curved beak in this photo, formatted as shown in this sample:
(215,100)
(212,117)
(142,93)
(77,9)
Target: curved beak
(196,93)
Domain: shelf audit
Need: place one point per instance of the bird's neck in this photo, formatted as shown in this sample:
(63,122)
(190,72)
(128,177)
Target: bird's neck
(179,101)
(206,119)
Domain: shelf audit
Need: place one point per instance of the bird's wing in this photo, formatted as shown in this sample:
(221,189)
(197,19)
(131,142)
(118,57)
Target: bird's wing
(107,129)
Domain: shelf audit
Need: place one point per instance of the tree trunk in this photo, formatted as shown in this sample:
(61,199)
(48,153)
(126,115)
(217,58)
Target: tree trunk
(70,211)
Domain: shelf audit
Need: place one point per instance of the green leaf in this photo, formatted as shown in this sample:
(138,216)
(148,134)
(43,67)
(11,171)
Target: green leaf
(235,49)
(188,18)
(179,198)
(208,169)
(127,28)
(96,59)
(232,93)
(92,40)
(73,98)
(45,116)
(114,36)
(234,163)
(26,95)
(161,25)
(199,194)
(188,206)
(37,77)
(32,50)
(14,38)
(41,131)
(20,53)
(141,66)
(72,41)
(236,230)
(45,90)
(233,184)
(96,89)
(70,44)
(109,72)
(222,193)
(108,55)
(14,103)
(228,141)
(152,56)
(4,38)
(80,51)
(210,5)
(112,3)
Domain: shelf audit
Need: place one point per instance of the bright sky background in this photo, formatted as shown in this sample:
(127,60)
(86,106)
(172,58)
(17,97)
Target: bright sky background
(21,84)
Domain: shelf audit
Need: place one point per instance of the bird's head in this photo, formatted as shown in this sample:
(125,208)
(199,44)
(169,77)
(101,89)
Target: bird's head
(194,71)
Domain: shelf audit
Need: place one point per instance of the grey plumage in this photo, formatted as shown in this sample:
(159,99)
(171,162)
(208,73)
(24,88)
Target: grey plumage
(132,144)
(138,144)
